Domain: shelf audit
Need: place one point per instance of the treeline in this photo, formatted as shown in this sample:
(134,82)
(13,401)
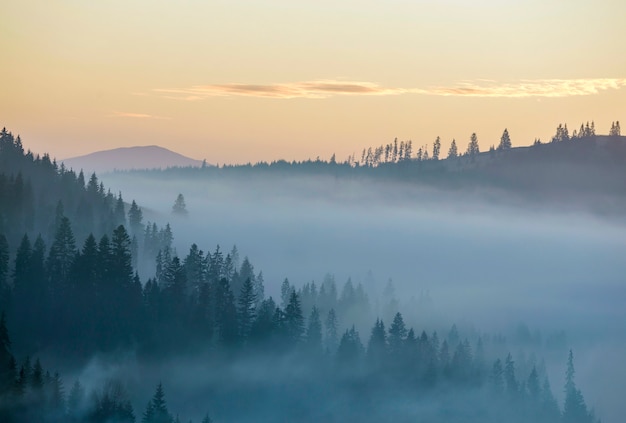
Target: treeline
(29,393)
(89,300)
(33,186)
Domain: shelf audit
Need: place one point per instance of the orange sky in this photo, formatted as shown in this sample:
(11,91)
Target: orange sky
(237,81)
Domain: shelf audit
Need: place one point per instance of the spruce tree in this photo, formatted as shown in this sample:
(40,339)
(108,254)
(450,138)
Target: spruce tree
(436,149)
(397,334)
(135,217)
(377,344)
(179,207)
(505,141)
(453,151)
(314,332)
(156,410)
(574,407)
(294,321)
(247,309)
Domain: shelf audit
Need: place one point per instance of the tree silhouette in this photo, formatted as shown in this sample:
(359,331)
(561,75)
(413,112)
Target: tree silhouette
(473,148)
(179,207)
(574,408)
(314,331)
(156,410)
(247,308)
(436,148)
(453,151)
(505,141)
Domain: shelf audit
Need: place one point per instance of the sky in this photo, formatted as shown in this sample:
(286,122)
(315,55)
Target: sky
(245,81)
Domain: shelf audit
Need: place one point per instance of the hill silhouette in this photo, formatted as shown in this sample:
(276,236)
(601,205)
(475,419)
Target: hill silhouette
(129,158)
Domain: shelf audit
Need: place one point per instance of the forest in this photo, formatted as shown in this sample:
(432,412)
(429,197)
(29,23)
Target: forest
(83,275)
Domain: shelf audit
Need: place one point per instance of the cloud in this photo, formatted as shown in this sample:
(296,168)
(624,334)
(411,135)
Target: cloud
(329,88)
(307,89)
(531,88)
(137,115)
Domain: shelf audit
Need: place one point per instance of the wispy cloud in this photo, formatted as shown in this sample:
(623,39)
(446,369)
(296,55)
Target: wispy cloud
(308,89)
(531,88)
(137,115)
(330,88)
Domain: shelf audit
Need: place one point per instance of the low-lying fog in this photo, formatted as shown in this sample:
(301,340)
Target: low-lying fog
(485,261)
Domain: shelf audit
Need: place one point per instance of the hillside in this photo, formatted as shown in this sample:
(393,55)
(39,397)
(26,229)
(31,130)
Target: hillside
(36,192)
(129,158)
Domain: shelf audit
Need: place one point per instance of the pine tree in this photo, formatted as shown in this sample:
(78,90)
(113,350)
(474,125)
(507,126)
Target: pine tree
(436,148)
(453,151)
(294,321)
(473,148)
(397,334)
(505,141)
(156,410)
(285,293)
(179,207)
(377,344)
(61,254)
(331,326)
(119,213)
(247,309)
(226,313)
(615,129)
(350,347)
(259,288)
(135,217)
(314,332)
(264,325)
(532,384)
(549,407)
(574,408)
(509,376)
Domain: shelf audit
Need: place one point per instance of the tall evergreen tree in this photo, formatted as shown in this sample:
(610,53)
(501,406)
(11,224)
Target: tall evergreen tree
(397,334)
(509,376)
(574,407)
(119,213)
(226,314)
(156,411)
(135,218)
(350,347)
(377,344)
(436,149)
(453,151)
(332,327)
(294,321)
(505,141)
(61,255)
(473,148)
(314,331)
(247,309)
(180,207)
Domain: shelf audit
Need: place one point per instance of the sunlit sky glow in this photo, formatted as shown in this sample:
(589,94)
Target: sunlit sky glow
(238,81)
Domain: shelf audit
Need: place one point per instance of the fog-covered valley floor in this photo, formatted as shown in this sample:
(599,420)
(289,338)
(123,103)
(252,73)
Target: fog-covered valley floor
(480,260)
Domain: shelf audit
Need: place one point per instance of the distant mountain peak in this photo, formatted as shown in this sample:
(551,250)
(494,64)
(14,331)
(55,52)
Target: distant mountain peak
(130,158)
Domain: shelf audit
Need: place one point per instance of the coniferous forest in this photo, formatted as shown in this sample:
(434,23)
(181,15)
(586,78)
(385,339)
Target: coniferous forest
(86,276)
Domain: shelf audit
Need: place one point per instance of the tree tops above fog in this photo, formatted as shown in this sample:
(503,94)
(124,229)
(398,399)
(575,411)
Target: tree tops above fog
(68,285)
